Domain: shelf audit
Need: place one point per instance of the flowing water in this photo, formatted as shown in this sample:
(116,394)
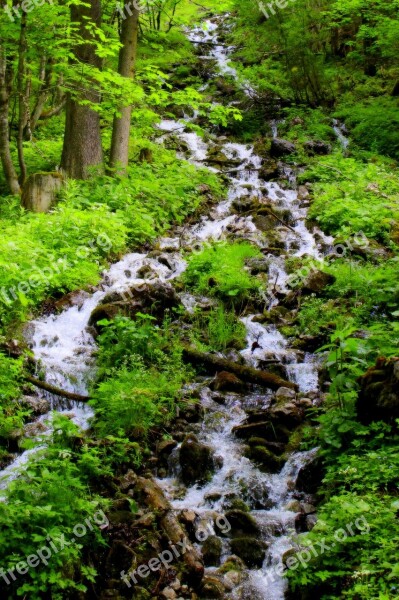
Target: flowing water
(64,347)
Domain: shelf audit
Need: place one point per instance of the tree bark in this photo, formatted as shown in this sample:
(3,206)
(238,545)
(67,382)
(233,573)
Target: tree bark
(119,157)
(6,77)
(23,99)
(268,380)
(82,150)
(56,391)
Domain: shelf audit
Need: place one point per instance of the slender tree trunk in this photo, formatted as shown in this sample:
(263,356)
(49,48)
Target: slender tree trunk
(121,128)
(6,77)
(82,149)
(23,101)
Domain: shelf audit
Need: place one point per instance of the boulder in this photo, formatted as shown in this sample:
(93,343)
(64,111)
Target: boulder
(196,461)
(281,148)
(310,476)
(227,382)
(250,550)
(378,399)
(212,551)
(317,147)
(154,299)
(242,523)
(316,282)
(284,394)
(270,463)
(269,170)
(40,191)
(212,587)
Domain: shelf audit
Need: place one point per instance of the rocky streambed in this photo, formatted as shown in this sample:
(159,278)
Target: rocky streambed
(229,477)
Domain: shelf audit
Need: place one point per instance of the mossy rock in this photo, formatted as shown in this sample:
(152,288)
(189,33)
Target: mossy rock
(242,522)
(251,550)
(269,461)
(212,551)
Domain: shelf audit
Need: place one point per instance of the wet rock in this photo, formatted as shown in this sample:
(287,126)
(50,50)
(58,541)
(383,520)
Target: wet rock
(303,192)
(311,521)
(212,551)
(128,481)
(251,550)
(235,503)
(168,593)
(242,523)
(288,414)
(294,506)
(164,448)
(228,382)
(378,399)
(196,461)
(269,170)
(232,563)
(269,462)
(316,282)
(281,148)
(212,587)
(245,204)
(263,428)
(75,298)
(39,406)
(257,265)
(154,299)
(275,447)
(317,147)
(32,430)
(310,476)
(284,394)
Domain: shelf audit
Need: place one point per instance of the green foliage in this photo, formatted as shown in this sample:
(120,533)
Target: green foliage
(45,503)
(144,375)
(350,197)
(374,125)
(46,253)
(362,565)
(218,330)
(219,270)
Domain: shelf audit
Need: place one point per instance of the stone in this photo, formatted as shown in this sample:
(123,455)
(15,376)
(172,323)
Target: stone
(242,522)
(196,461)
(317,147)
(251,550)
(378,399)
(281,148)
(154,299)
(316,282)
(232,563)
(165,447)
(212,551)
(168,593)
(212,588)
(39,406)
(270,462)
(40,191)
(284,394)
(310,476)
(128,480)
(227,382)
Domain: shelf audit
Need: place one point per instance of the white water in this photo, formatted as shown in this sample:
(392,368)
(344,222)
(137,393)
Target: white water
(64,347)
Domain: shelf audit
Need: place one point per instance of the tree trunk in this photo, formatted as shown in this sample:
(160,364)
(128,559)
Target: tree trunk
(121,128)
(6,78)
(82,149)
(216,363)
(23,99)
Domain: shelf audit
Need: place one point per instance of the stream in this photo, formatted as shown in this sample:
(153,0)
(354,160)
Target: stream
(64,347)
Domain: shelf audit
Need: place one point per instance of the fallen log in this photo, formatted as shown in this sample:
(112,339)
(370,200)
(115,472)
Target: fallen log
(56,391)
(153,496)
(250,374)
